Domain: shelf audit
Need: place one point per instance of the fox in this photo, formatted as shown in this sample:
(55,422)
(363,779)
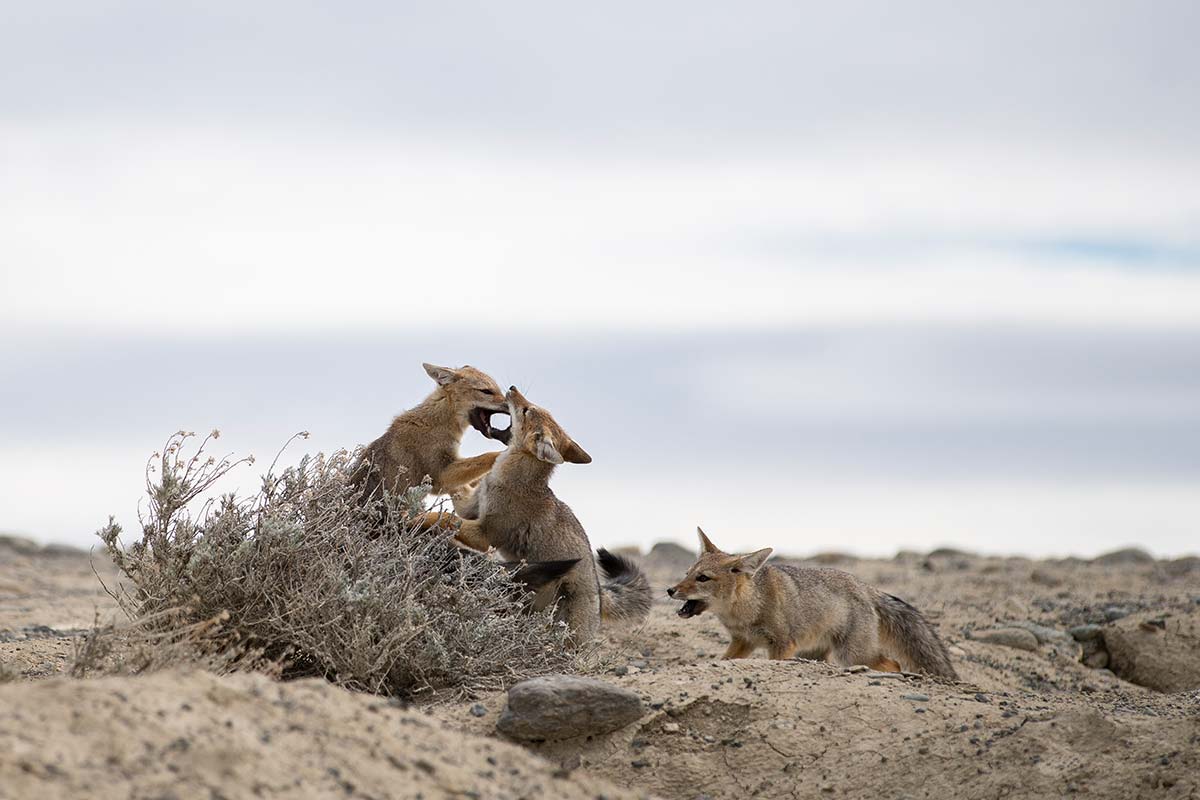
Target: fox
(515,511)
(823,613)
(424,440)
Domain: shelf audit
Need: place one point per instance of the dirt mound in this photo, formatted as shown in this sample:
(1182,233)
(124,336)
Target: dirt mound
(804,729)
(198,735)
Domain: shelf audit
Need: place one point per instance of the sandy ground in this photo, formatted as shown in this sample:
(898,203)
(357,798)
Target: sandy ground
(1020,723)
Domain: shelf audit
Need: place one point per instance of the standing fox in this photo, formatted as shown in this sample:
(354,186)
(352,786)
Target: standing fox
(825,613)
(424,440)
(515,511)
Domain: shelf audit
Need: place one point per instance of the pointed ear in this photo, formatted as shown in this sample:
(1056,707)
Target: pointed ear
(547,452)
(706,546)
(442,375)
(576,454)
(753,562)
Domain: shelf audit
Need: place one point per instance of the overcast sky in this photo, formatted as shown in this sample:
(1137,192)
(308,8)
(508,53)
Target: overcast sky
(928,273)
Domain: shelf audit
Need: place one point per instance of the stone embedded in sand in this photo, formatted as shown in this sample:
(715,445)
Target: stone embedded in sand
(564,706)
(1042,633)
(1017,638)
(1086,633)
(1165,660)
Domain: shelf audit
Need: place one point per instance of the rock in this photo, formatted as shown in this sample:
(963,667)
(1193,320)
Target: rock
(1114,613)
(1163,660)
(920,698)
(857,668)
(671,557)
(1098,659)
(949,552)
(1182,566)
(1043,634)
(1124,557)
(670,727)
(1085,633)
(479,710)
(1043,578)
(563,706)
(1017,638)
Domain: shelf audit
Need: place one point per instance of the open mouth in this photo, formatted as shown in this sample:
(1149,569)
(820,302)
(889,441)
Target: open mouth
(692,608)
(481,420)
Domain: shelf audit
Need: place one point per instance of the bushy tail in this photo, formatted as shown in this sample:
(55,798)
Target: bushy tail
(907,634)
(624,591)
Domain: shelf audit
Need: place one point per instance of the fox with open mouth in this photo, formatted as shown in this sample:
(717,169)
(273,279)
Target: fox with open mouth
(515,511)
(819,613)
(424,440)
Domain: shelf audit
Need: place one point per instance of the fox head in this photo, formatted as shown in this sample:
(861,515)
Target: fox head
(535,432)
(473,395)
(717,578)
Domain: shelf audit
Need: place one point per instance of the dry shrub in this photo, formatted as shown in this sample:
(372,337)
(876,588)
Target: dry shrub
(305,577)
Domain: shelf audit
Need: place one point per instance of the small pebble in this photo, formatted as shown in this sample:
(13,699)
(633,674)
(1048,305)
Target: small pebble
(479,710)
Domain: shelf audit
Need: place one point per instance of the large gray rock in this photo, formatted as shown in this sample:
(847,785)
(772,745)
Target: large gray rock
(1124,557)
(670,557)
(563,706)
(1042,633)
(1018,638)
(1166,659)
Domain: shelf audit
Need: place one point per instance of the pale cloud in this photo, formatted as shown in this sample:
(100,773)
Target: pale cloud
(129,229)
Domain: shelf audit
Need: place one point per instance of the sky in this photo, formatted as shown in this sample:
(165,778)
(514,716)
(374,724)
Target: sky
(857,276)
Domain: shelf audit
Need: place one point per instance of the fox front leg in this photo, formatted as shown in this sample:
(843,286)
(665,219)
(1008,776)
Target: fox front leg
(466,504)
(465,471)
(470,535)
(781,651)
(738,648)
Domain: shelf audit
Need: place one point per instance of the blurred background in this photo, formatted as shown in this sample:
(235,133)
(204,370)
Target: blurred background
(860,276)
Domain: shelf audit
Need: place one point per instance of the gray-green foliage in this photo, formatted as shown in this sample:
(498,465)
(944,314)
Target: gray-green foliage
(303,574)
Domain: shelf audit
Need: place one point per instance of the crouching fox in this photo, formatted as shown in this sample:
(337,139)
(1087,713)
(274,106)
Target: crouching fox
(820,613)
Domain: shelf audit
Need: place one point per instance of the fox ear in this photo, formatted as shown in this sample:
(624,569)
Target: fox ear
(442,375)
(576,454)
(706,546)
(753,562)
(547,452)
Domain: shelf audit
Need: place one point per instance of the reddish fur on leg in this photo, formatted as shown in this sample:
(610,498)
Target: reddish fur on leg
(885,664)
(782,652)
(738,648)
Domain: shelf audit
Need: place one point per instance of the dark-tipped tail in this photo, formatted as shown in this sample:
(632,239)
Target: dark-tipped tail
(624,591)
(908,635)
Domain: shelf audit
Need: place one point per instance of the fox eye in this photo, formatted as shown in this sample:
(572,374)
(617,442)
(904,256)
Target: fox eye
(735,569)
(702,578)
(489,392)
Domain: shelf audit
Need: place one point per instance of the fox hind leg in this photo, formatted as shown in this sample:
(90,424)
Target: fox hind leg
(885,664)
(782,651)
